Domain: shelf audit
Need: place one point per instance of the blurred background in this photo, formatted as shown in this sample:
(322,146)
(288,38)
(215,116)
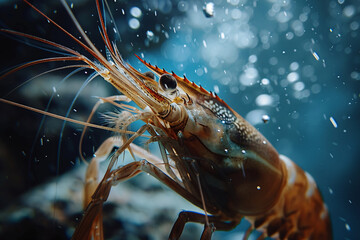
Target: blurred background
(294,62)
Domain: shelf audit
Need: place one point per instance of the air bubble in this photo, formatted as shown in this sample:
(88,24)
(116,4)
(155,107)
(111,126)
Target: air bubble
(209,10)
(253,59)
(134,23)
(299,86)
(265,118)
(183,6)
(289,35)
(292,77)
(264,100)
(265,81)
(222,35)
(316,56)
(347,227)
(204,44)
(332,120)
(150,35)
(349,11)
(135,12)
(294,66)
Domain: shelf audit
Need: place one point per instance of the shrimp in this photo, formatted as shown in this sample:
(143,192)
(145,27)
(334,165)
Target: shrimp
(210,155)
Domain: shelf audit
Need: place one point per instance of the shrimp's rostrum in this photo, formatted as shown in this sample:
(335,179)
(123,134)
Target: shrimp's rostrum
(210,155)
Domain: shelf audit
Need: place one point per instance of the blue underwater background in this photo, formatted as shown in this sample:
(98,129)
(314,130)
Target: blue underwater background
(294,62)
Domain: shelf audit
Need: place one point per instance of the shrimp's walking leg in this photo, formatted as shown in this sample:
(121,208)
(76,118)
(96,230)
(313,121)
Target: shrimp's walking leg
(94,209)
(215,223)
(90,226)
(91,180)
(91,223)
(92,171)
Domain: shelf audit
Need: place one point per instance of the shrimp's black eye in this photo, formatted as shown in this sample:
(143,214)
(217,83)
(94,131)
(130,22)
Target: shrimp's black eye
(167,82)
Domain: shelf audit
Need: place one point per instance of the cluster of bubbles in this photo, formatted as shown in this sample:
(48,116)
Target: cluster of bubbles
(234,32)
(245,44)
(134,22)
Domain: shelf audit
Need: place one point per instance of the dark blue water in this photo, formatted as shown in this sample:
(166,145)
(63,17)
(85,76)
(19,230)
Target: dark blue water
(297,62)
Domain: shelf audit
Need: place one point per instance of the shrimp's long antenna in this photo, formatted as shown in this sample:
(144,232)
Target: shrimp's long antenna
(78,66)
(44,60)
(112,19)
(47,108)
(102,24)
(88,80)
(47,45)
(39,39)
(89,48)
(81,31)
(66,118)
